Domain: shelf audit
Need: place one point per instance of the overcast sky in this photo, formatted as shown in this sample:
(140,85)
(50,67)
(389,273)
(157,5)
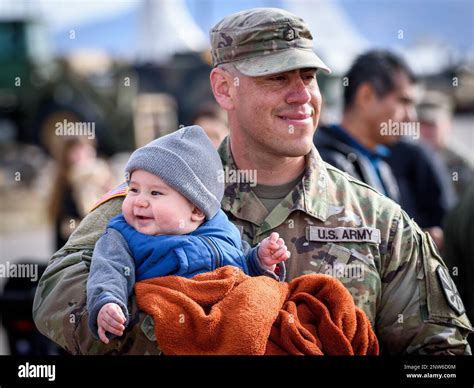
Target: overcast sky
(115,22)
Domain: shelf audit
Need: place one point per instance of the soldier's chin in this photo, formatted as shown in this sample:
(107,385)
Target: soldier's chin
(295,149)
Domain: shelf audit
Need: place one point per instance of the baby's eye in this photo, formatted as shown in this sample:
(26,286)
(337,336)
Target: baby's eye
(154,192)
(133,190)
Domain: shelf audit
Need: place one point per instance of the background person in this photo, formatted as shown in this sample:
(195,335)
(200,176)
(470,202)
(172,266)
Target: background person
(436,120)
(380,91)
(80,179)
(211,118)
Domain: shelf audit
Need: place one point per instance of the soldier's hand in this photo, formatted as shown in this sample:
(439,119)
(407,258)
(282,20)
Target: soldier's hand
(272,251)
(110,319)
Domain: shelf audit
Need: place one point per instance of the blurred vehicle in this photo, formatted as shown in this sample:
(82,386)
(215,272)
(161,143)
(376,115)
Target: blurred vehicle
(37,91)
(463,82)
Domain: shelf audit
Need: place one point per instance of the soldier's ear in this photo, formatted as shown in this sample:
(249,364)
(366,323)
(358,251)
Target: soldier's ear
(221,83)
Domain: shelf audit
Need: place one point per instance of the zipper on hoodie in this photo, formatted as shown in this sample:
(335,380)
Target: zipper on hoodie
(214,248)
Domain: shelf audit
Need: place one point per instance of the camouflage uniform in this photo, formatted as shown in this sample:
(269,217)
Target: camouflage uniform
(331,223)
(391,272)
(393,278)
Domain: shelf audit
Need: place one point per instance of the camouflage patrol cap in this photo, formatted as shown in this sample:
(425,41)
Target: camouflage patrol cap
(264,41)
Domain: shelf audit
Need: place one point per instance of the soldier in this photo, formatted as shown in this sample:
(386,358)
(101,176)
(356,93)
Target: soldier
(264,76)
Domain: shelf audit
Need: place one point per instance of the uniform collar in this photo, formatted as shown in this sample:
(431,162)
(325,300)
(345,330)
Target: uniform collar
(309,195)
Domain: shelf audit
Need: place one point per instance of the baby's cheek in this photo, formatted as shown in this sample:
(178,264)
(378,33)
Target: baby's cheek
(127,209)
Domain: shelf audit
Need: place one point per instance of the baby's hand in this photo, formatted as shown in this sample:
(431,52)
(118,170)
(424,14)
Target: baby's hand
(272,251)
(111,319)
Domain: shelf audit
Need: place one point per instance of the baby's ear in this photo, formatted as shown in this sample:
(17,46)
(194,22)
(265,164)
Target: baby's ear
(197,215)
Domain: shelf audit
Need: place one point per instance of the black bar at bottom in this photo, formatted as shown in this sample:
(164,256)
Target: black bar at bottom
(163,371)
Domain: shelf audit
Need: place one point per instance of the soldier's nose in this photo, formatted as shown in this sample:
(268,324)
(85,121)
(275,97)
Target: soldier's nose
(298,93)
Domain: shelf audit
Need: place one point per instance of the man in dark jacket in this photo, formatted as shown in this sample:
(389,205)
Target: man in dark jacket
(379,90)
(459,248)
(341,150)
(379,108)
(426,191)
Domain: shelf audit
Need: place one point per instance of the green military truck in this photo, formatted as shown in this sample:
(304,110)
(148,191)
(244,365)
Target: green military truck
(37,91)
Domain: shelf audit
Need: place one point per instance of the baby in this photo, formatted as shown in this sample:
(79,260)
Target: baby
(171,224)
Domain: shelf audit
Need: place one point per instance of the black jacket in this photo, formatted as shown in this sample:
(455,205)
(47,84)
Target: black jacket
(426,190)
(413,177)
(335,150)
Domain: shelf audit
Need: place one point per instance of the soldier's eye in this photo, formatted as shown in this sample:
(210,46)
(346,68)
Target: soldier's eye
(310,75)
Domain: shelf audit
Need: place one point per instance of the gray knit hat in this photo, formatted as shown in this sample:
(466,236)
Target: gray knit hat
(187,161)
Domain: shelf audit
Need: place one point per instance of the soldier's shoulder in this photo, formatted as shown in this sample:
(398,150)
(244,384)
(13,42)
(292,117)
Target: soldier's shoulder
(347,187)
(119,191)
(109,208)
(94,224)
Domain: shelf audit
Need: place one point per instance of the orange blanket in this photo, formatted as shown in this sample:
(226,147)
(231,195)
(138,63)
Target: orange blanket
(228,312)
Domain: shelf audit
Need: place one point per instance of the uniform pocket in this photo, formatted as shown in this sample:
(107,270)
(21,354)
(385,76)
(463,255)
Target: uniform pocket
(357,272)
(346,263)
